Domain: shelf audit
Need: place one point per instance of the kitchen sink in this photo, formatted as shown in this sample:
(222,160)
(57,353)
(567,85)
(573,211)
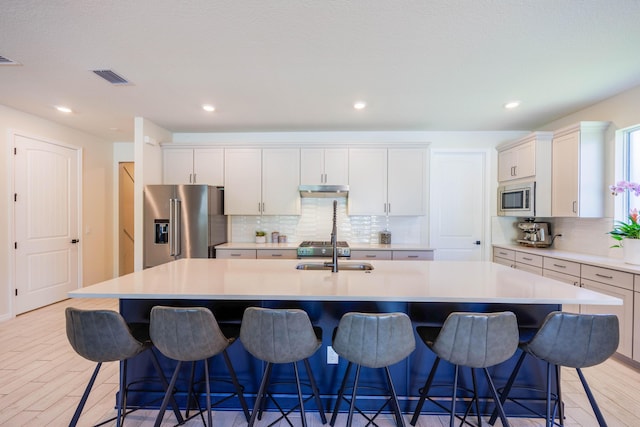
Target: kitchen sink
(350,266)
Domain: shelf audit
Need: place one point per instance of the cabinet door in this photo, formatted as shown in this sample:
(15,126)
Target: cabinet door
(504,261)
(243,179)
(336,166)
(367,181)
(208,166)
(280,181)
(359,254)
(506,163)
(529,268)
(312,166)
(636,324)
(624,311)
(177,166)
(565,278)
(565,173)
(525,155)
(406,181)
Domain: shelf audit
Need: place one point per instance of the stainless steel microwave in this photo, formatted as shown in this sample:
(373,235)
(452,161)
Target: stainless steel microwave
(517,200)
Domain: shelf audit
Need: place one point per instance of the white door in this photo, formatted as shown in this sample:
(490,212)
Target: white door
(458,205)
(45,222)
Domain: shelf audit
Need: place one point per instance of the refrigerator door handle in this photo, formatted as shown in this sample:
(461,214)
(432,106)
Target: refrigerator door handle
(178,228)
(172,221)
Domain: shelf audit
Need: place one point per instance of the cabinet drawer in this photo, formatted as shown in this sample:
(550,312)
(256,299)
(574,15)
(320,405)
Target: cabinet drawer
(608,276)
(529,259)
(504,261)
(561,266)
(236,253)
(504,253)
(277,254)
(412,255)
(530,268)
(562,277)
(358,254)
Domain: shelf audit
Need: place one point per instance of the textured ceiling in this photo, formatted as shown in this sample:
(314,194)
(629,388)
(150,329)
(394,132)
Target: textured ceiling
(291,65)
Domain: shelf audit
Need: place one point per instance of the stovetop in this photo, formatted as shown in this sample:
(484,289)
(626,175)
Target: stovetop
(323,249)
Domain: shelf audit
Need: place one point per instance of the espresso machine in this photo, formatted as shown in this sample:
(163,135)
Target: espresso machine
(535,234)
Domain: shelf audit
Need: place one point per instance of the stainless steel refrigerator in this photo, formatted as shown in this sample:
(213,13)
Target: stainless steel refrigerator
(182,221)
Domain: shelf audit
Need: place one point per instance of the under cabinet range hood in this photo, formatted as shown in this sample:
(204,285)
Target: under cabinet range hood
(324,191)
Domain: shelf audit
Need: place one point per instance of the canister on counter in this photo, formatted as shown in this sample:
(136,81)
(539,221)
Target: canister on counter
(274,237)
(282,239)
(385,237)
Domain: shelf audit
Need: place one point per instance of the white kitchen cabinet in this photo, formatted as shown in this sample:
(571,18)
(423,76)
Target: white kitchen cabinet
(193,166)
(262,182)
(387,182)
(565,278)
(517,162)
(529,262)
(578,170)
(324,166)
(504,256)
(617,284)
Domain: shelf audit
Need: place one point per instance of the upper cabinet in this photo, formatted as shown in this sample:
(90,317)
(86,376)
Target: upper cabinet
(526,158)
(324,166)
(193,166)
(387,181)
(262,182)
(578,170)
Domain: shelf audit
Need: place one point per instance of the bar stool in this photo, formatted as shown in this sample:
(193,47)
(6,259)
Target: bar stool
(373,341)
(572,340)
(475,340)
(191,334)
(280,336)
(104,336)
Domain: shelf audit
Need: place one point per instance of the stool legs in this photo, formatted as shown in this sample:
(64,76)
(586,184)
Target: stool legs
(592,400)
(394,397)
(85,395)
(316,392)
(236,384)
(167,395)
(424,391)
(336,408)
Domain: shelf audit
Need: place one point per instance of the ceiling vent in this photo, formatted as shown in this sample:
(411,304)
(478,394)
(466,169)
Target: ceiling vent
(6,61)
(111,77)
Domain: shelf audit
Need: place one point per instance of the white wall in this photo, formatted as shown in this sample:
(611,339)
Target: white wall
(97,238)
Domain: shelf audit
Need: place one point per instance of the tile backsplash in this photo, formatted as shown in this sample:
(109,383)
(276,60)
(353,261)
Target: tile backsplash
(315,223)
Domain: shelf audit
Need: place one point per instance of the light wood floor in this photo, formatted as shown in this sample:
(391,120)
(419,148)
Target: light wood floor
(42,379)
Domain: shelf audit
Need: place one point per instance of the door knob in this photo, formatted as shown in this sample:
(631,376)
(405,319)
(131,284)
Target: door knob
(74,241)
(477,242)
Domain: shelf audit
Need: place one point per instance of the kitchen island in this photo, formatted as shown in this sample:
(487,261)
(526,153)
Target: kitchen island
(426,290)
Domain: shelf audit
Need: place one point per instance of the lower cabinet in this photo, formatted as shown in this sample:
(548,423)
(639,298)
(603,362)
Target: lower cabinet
(566,278)
(277,254)
(504,256)
(529,262)
(624,311)
(412,255)
(359,254)
(236,253)
(636,319)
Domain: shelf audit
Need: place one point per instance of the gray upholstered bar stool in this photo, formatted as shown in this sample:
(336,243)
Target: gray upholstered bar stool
(373,341)
(191,334)
(572,340)
(475,340)
(104,336)
(280,336)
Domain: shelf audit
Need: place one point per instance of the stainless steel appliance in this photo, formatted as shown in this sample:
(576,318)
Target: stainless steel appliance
(182,221)
(322,249)
(535,234)
(517,200)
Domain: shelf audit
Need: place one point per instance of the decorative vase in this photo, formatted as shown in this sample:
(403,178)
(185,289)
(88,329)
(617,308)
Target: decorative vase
(631,251)
(261,239)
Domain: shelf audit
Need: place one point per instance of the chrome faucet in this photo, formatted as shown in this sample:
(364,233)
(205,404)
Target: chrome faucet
(334,241)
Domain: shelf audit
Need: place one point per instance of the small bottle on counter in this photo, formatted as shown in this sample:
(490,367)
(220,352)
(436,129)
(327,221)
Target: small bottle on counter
(385,237)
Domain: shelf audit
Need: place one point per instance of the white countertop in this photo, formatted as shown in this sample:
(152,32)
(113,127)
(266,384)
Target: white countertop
(616,264)
(407,281)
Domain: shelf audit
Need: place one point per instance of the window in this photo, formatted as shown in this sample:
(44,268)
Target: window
(631,164)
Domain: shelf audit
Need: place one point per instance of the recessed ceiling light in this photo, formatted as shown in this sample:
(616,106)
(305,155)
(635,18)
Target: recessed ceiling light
(360,105)
(64,109)
(209,108)
(511,105)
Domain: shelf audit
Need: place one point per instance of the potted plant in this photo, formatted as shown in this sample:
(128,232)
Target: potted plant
(627,232)
(261,236)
